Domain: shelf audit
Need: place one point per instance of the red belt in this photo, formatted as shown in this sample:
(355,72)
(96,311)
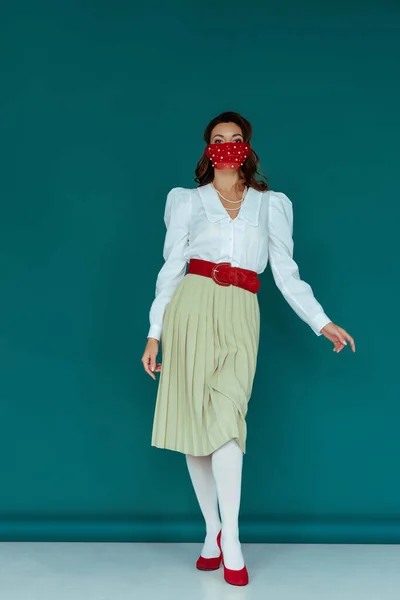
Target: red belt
(224,274)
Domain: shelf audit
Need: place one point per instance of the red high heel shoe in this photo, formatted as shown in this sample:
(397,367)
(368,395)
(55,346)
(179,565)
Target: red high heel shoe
(233,576)
(209,564)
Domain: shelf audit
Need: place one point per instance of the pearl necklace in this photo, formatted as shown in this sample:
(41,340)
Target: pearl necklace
(232,201)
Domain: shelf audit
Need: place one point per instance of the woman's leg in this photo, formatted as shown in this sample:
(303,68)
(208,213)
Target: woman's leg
(227,464)
(201,474)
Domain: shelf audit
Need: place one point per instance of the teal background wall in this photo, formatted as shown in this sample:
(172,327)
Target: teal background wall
(102,109)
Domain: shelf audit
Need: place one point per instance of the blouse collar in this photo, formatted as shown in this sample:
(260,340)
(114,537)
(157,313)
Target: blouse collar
(215,210)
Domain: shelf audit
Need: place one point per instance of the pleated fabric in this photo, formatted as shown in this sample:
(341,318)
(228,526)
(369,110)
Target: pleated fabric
(210,338)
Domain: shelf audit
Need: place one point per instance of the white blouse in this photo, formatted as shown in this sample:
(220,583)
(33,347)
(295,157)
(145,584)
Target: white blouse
(199,226)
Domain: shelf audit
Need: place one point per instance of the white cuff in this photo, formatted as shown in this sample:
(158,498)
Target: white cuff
(319,322)
(155,332)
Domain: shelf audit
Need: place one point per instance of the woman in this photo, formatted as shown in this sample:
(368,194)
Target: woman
(227,228)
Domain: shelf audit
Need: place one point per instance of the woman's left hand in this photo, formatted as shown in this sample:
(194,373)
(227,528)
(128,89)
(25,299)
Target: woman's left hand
(338,336)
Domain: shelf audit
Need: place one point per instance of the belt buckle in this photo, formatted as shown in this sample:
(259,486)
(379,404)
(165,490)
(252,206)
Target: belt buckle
(214,270)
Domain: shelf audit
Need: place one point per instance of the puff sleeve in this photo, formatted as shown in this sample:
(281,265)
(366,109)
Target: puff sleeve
(285,270)
(176,218)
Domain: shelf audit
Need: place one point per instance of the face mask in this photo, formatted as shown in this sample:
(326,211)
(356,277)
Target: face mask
(228,155)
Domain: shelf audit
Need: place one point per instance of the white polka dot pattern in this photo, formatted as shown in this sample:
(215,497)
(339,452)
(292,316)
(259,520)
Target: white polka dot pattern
(228,155)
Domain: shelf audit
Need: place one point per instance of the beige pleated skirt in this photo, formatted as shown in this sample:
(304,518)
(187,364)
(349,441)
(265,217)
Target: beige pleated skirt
(210,337)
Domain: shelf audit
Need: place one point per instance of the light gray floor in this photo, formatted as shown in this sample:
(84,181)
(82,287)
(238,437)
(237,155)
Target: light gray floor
(122,571)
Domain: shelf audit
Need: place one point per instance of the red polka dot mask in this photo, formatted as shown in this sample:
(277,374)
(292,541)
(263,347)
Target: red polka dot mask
(228,155)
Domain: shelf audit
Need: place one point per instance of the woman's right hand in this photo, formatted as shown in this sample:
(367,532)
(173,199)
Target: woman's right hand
(149,357)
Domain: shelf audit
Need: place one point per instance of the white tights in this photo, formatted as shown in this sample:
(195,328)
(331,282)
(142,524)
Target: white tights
(217,479)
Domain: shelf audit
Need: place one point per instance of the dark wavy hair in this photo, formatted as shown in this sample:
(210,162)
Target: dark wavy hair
(248,171)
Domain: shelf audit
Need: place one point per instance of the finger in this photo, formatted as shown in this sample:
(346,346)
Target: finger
(341,335)
(150,372)
(152,361)
(146,365)
(352,344)
(348,337)
(338,346)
